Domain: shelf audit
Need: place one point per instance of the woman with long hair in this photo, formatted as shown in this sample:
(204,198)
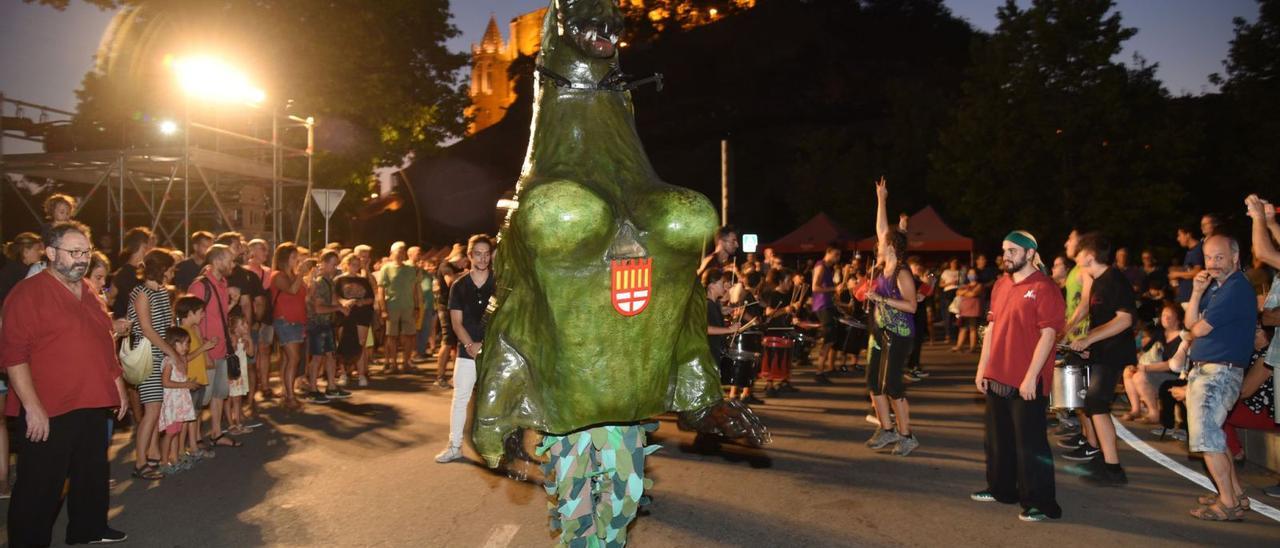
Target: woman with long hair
(893,291)
(151,311)
(289,311)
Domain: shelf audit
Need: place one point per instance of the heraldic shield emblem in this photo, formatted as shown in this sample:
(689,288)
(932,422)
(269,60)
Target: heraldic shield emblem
(630,279)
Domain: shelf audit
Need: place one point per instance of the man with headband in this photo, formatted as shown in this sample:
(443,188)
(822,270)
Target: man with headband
(1015,373)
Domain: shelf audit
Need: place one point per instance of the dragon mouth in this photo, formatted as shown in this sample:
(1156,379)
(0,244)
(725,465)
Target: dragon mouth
(595,38)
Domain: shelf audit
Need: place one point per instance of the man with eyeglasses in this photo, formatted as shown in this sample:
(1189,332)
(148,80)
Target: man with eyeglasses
(57,348)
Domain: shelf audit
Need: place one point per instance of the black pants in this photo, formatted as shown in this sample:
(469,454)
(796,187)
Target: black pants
(76,449)
(1168,404)
(1019,462)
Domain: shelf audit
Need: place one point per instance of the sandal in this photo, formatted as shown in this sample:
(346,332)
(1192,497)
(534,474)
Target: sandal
(215,439)
(148,472)
(1208,500)
(1218,512)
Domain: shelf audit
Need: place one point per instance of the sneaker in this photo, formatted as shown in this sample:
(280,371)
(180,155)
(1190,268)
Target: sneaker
(1273,491)
(363,382)
(169,469)
(821,378)
(911,376)
(905,446)
(786,386)
(317,396)
(920,373)
(982,496)
(882,438)
(1178,434)
(109,536)
(1073,442)
(1083,453)
(1032,515)
(1103,475)
(1067,429)
(753,400)
(450,454)
(337,393)
(771,392)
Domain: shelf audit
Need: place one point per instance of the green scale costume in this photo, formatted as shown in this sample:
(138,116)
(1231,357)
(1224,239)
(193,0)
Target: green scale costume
(561,356)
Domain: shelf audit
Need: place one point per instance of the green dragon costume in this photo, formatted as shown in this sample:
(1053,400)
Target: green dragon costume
(598,323)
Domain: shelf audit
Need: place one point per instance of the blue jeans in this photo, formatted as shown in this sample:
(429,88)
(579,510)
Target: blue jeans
(1212,390)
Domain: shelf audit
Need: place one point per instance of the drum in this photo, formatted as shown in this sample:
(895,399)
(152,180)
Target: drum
(738,371)
(776,365)
(803,343)
(1070,383)
(747,345)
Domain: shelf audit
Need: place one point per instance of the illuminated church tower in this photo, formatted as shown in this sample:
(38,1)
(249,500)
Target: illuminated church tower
(491,90)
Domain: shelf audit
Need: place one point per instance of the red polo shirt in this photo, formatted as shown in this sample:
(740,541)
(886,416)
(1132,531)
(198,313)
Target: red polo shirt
(214,317)
(66,342)
(1018,312)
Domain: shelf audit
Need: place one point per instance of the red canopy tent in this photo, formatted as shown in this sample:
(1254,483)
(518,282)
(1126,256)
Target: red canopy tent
(926,231)
(814,236)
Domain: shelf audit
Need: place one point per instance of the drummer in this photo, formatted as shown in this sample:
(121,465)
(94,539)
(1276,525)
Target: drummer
(1015,372)
(718,327)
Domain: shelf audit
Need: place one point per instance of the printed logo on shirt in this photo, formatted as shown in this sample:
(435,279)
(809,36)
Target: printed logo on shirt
(1031,294)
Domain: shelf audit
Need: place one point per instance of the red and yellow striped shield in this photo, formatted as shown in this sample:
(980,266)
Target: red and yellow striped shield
(629,281)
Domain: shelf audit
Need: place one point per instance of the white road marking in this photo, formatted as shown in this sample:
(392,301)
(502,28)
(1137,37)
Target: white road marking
(501,536)
(1195,477)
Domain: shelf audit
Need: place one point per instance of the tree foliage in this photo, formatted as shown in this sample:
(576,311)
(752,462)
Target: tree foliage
(1052,133)
(376,76)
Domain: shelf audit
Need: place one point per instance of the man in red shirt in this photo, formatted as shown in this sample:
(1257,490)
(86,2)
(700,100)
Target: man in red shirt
(57,348)
(1016,373)
(211,287)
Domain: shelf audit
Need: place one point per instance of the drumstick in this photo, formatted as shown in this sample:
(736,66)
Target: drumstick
(745,326)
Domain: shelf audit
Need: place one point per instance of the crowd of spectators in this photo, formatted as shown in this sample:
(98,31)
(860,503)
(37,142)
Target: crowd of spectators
(218,323)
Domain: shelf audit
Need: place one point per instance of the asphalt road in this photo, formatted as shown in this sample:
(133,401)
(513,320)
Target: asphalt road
(360,472)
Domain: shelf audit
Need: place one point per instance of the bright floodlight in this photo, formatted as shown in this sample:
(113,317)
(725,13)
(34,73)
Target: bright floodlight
(168,127)
(209,78)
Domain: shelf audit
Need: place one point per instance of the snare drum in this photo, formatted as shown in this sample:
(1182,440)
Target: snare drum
(776,366)
(1070,383)
(745,346)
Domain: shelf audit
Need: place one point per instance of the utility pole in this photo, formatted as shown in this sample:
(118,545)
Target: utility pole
(724,182)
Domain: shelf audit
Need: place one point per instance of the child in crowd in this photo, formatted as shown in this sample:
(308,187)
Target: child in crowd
(177,410)
(190,312)
(238,327)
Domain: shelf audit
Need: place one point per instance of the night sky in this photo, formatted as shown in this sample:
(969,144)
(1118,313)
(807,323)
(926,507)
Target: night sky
(44,53)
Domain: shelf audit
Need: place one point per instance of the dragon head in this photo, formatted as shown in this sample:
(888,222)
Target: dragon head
(592,27)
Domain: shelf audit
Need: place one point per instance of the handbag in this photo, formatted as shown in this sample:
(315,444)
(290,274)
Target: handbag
(233,361)
(954,307)
(136,360)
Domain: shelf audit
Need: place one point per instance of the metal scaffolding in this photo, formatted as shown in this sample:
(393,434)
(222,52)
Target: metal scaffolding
(171,186)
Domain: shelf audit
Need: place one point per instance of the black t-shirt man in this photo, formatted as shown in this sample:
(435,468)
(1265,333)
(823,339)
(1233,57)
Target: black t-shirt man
(186,272)
(471,300)
(246,281)
(1111,294)
(715,318)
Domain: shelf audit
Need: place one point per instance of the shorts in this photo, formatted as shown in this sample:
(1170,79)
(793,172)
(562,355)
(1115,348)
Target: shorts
(201,397)
(827,319)
(446,328)
(265,334)
(886,362)
(320,339)
(1212,389)
(1102,388)
(289,332)
(218,388)
(401,323)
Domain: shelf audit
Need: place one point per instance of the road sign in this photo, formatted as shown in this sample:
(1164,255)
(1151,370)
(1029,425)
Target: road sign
(327,199)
